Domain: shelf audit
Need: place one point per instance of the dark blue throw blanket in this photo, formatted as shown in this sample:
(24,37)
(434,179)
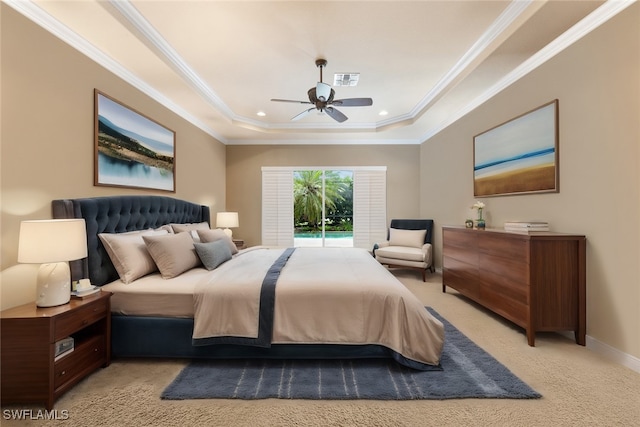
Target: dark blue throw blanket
(267,309)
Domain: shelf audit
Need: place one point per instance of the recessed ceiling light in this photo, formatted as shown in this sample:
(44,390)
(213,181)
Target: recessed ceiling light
(383,113)
(261,113)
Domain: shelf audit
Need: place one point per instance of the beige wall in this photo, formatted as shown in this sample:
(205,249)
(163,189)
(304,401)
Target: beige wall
(597,82)
(244,178)
(47,153)
(47,146)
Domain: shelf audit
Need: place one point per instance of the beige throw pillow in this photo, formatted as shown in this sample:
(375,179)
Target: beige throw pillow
(179,228)
(217,234)
(173,253)
(129,254)
(410,238)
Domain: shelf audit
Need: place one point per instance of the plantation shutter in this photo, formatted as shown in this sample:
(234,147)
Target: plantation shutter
(369,207)
(277,207)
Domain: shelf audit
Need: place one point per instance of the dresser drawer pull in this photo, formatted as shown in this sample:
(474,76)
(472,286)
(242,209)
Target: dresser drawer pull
(62,373)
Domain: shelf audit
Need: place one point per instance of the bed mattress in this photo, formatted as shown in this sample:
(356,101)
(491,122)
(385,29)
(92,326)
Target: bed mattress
(154,296)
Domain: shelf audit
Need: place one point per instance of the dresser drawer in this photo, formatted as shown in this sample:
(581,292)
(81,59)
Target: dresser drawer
(505,246)
(87,356)
(504,269)
(71,322)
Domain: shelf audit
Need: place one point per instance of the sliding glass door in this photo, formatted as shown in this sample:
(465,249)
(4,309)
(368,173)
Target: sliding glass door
(323,208)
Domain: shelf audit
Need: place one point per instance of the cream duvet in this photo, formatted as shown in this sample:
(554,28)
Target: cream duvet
(340,296)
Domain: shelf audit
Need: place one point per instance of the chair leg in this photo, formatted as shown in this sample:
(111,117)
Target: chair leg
(424,275)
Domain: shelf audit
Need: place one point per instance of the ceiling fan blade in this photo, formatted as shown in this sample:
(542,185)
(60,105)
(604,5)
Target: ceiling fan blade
(353,102)
(323,91)
(335,114)
(301,115)
(290,100)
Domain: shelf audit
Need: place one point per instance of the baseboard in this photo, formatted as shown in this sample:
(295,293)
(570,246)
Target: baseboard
(610,353)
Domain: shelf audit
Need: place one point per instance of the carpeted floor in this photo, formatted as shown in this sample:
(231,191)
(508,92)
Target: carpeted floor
(579,388)
(466,371)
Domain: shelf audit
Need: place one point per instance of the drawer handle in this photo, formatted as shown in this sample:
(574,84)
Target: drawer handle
(95,350)
(84,322)
(62,373)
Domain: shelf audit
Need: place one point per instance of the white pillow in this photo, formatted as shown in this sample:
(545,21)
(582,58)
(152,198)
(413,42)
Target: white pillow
(410,238)
(173,253)
(129,254)
(217,234)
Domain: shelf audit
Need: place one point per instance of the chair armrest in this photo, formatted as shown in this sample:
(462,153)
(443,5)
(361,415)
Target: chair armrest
(427,251)
(378,246)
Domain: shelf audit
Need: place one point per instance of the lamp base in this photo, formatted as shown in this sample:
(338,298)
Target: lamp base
(54,284)
(228,232)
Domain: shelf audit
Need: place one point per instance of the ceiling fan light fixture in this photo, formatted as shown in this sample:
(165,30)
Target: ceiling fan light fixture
(323,91)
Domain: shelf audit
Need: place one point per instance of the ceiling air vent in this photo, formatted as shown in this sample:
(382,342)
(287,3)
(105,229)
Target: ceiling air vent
(346,79)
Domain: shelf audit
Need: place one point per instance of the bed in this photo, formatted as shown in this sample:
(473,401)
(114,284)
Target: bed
(307,309)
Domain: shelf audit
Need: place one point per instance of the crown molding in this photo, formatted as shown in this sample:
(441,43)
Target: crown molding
(36,14)
(585,26)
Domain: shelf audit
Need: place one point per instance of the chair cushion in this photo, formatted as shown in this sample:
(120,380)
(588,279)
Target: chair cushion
(401,253)
(410,238)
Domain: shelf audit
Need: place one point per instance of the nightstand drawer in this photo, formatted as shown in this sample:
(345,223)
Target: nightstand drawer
(71,322)
(85,357)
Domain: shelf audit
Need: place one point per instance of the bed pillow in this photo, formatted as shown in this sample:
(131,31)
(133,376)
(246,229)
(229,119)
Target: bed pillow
(410,238)
(129,254)
(217,234)
(191,228)
(212,254)
(173,253)
(179,228)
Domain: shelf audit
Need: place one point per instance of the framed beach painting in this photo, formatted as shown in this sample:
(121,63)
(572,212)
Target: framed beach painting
(519,156)
(131,150)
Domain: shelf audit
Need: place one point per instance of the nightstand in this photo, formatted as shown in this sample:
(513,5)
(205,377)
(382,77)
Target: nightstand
(29,333)
(239,243)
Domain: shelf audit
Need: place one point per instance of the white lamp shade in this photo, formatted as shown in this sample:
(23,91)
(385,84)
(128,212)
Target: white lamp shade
(227,219)
(54,240)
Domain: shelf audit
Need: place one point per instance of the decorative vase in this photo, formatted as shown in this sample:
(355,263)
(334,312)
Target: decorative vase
(480,224)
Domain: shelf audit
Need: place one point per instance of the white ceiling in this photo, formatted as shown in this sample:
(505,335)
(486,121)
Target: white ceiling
(218,63)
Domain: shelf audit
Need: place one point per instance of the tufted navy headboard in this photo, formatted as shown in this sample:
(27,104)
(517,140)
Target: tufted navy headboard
(117,214)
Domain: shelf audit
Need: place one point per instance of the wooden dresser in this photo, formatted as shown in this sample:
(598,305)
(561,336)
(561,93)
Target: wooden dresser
(30,372)
(537,280)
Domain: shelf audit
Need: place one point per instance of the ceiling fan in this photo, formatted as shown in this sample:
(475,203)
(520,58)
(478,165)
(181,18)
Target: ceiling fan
(321,96)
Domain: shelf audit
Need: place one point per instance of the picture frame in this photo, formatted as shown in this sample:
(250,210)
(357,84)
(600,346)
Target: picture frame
(131,149)
(519,156)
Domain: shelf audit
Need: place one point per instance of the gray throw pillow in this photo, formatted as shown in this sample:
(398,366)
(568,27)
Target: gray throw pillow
(212,254)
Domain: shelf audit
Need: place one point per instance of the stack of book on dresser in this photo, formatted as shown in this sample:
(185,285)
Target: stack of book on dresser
(526,226)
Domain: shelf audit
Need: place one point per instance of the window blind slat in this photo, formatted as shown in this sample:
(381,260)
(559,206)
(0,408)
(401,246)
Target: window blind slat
(369,207)
(277,208)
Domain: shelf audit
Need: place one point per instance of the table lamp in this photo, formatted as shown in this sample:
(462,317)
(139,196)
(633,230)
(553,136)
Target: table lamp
(52,243)
(227,220)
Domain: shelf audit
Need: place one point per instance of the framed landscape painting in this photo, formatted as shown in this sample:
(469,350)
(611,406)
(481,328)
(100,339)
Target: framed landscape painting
(131,150)
(519,156)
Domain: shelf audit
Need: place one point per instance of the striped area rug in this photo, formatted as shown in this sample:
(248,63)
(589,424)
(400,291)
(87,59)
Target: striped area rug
(467,372)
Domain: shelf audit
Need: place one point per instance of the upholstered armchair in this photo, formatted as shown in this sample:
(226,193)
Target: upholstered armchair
(408,245)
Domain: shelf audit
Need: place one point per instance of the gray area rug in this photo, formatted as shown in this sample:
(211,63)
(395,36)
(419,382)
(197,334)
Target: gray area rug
(467,372)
